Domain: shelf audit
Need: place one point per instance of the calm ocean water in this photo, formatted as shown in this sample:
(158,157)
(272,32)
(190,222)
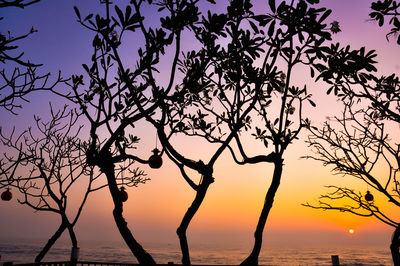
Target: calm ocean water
(23,252)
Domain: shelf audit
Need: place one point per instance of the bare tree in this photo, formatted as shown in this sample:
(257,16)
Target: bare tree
(44,164)
(358,144)
(50,158)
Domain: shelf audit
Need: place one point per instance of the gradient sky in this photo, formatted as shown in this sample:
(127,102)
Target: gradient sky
(231,208)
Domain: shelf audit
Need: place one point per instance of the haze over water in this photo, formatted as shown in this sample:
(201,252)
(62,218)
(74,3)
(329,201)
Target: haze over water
(20,251)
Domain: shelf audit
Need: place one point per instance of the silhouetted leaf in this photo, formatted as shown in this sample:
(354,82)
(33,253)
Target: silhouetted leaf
(78,14)
(128,12)
(325,15)
(271,29)
(120,15)
(272,5)
(254,27)
(381,20)
(262,19)
(86,68)
(396,22)
(282,7)
(88,17)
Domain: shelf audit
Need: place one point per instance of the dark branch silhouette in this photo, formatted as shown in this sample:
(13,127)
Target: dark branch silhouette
(358,144)
(223,85)
(20,77)
(15,87)
(51,158)
(17,3)
(54,158)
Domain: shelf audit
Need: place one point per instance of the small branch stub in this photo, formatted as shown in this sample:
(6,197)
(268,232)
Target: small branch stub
(6,195)
(155,160)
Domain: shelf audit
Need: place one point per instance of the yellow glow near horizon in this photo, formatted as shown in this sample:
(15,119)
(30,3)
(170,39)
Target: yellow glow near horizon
(351,231)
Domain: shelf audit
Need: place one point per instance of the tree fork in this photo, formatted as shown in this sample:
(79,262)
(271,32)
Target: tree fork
(51,242)
(74,242)
(182,229)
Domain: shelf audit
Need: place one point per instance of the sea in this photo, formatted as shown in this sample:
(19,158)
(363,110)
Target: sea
(19,251)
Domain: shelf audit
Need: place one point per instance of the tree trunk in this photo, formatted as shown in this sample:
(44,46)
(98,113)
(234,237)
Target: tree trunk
(252,259)
(142,256)
(394,246)
(74,242)
(181,231)
(51,242)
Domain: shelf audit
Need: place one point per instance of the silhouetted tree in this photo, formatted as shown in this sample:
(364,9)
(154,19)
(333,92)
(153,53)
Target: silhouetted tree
(359,144)
(45,163)
(223,84)
(219,89)
(107,100)
(350,76)
(222,72)
(175,108)
(18,76)
(137,94)
(291,35)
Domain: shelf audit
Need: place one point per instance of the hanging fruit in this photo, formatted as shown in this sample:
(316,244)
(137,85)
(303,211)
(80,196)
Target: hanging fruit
(369,196)
(6,195)
(155,160)
(123,194)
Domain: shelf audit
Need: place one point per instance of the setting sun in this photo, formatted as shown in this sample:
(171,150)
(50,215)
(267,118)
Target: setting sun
(351,231)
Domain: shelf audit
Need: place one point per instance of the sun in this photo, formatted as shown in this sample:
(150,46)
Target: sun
(351,231)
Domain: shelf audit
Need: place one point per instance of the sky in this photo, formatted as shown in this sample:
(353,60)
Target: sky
(230,211)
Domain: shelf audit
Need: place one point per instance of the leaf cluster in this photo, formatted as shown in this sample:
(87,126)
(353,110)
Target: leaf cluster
(387,9)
